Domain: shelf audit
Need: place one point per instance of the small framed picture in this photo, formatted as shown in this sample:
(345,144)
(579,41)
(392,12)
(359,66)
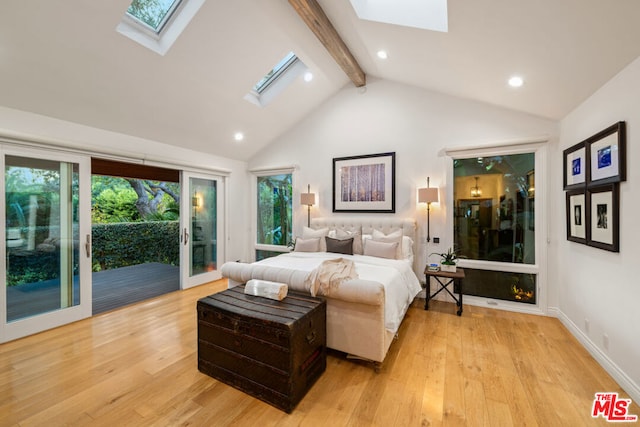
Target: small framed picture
(607,155)
(577,216)
(575,166)
(604,212)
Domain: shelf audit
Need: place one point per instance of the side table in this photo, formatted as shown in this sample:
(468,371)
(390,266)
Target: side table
(444,279)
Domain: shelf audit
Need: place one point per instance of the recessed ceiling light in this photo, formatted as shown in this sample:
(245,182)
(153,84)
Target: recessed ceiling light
(308,76)
(516,81)
(382,54)
(238,136)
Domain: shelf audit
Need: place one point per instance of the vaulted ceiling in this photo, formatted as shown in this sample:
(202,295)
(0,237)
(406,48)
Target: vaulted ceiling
(64,59)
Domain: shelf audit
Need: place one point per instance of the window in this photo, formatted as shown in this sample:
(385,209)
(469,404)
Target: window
(494,222)
(274,214)
(275,72)
(154,13)
(156,24)
(276,80)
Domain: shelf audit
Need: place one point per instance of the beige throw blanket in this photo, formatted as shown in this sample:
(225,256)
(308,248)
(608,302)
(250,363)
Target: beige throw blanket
(328,276)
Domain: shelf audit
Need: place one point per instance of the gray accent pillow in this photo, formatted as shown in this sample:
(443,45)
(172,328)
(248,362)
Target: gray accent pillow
(357,239)
(340,246)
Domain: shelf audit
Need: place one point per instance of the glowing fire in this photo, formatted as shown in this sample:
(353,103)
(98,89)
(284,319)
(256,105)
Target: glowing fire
(520,294)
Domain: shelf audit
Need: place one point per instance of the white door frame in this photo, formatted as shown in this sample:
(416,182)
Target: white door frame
(186,235)
(31,325)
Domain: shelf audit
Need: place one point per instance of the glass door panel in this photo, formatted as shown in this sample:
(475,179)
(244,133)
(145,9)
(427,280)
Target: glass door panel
(43,250)
(201,229)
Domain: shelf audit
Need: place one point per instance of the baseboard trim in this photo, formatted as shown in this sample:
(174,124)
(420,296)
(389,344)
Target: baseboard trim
(609,365)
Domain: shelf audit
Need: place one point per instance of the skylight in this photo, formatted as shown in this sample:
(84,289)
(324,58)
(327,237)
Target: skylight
(276,80)
(425,14)
(156,24)
(154,13)
(275,72)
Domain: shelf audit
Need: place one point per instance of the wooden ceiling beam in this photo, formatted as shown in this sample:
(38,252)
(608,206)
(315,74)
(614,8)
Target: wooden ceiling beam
(315,18)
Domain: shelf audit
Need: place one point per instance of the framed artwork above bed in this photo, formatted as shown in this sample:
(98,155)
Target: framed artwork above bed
(365,183)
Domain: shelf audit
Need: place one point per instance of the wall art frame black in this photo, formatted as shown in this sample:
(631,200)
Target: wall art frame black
(607,155)
(577,216)
(603,230)
(365,183)
(575,166)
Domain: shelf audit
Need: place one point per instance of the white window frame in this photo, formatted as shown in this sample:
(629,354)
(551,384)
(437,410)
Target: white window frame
(277,84)
(160,42)
(254,207)
(539,148)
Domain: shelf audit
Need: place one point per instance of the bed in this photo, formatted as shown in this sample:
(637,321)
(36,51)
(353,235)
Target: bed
(363,313)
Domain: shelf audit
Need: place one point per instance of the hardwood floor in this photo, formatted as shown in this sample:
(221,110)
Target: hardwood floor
(137,366)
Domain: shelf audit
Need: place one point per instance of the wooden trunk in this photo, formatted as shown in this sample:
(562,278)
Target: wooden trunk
(272,350)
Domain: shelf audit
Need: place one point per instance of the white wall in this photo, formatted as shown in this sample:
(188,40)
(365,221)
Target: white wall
(49,131)
(388,116)
(594,284)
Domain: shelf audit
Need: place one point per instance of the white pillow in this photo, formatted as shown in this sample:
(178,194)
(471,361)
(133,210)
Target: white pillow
(307,245)
(407,248)
(394,237)
(379,233)
(310,233)
(380,249)
(357,239)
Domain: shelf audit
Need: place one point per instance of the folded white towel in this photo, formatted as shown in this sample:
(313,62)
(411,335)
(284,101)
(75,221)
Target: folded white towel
(266,289)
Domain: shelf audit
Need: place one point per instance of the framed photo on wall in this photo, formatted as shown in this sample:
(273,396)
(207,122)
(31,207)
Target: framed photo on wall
(607,155)
(365,183)
(604,212)
(575,166)
(577,216)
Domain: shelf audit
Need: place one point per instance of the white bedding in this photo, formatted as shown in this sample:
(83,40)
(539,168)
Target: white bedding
(400,282)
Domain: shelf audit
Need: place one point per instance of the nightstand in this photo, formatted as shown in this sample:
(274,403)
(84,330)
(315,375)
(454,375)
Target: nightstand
(444,279)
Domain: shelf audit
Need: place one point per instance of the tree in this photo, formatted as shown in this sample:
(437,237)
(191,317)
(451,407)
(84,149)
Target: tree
(116,199)
(274,209)
(151,12)
(150,195)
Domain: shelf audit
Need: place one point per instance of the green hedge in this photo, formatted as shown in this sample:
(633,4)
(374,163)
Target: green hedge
(113,246)
(131,243)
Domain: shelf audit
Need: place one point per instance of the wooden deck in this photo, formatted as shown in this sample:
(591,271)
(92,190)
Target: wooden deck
(127,285)
(111,289)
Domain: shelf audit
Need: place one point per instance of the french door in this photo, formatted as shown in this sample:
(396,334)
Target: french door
(46,241)
(202,228)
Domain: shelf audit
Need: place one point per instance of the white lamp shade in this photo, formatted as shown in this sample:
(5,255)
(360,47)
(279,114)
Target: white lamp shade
(428,195)
(308,199)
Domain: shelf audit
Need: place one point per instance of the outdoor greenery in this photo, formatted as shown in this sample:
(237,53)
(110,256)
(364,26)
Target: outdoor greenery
(115,199)
(33,269)
(151,12)
(275,210)
(134,221)
(132,243)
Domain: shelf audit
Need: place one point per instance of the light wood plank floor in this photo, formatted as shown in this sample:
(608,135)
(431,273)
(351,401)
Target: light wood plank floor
(137,367)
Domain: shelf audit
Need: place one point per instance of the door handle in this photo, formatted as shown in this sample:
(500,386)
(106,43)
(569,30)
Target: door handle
(87,246)
(186,237)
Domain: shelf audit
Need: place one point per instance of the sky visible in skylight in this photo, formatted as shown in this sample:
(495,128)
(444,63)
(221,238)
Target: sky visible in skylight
(425,14)
(154,13)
